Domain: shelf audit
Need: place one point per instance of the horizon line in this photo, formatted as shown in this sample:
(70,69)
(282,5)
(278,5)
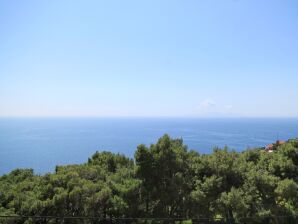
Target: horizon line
(136,116)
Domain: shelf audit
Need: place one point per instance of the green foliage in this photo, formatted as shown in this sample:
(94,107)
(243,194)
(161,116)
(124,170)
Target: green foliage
(164,180)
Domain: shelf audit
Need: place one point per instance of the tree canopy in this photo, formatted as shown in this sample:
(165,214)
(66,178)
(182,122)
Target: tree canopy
(164,180)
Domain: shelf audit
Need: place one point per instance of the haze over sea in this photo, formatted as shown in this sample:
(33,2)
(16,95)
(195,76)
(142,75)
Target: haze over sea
(43,143)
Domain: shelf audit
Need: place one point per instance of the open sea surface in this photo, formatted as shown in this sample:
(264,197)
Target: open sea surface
(43,143)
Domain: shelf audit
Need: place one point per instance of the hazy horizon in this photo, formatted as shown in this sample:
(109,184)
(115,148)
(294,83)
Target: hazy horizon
(153,117)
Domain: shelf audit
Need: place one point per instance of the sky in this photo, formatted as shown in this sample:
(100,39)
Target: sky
(168,58)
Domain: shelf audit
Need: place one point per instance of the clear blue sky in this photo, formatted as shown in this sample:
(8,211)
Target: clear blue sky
(149,58)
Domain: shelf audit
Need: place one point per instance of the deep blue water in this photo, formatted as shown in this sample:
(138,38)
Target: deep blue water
(43,143)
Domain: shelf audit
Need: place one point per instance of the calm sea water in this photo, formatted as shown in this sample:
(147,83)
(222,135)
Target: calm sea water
(43,143)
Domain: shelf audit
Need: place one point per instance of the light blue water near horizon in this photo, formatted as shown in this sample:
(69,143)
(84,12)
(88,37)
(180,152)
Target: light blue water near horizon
(43,143)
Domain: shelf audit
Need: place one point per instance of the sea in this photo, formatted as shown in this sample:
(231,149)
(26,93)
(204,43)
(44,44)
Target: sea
(43,143)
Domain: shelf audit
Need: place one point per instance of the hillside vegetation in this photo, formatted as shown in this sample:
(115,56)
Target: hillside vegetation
(163,180)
